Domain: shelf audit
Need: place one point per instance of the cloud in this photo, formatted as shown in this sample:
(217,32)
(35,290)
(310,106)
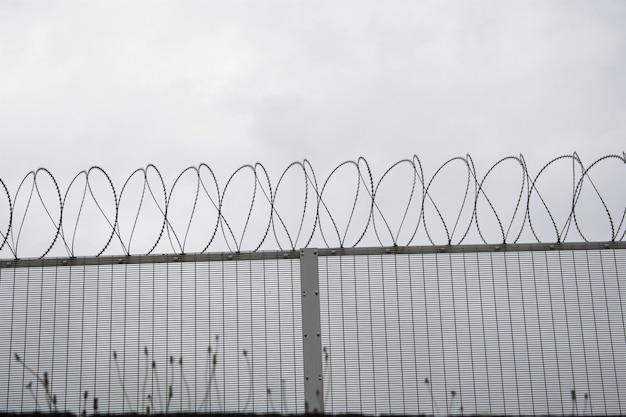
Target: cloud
(121,85)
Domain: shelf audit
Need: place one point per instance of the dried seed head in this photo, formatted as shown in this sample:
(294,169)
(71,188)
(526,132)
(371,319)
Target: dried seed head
(171,391)
(17,357)
(95,404)
(153,364)
(115,355)
(29,385)
(324,349)
(215,359)
(217,338)
(145,350)
(45,379)
(453,393)
(573,395)
(86,394)
(148,409)
(54,399)
(245,352)
(83,413)
(171,360)
(269,391)
(209,349)
(426,381)
(180,361)
(586,395)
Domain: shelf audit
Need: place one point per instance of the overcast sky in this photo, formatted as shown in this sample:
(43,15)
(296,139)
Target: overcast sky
(124,84)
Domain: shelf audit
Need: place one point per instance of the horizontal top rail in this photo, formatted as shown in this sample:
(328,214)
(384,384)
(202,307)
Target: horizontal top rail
(268,255)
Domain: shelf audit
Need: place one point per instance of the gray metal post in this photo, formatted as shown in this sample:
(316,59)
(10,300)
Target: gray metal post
(311,332)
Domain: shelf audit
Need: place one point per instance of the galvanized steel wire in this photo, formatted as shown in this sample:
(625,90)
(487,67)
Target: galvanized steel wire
(421,210)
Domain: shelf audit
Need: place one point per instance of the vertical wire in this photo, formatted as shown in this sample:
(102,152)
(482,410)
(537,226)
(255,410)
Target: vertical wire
(54,320)
(432,399)
(371,320)
(97,319)
(123,381)
(343,334)
(443,345)
(11,327)
(358,348)
(543,359)
(236,336)
(567,331)
(280,337)
(67,340)
(267,399)
(82,334)
(514,351)
(456,337)
(395,267)
(293,328)
(497,328)
(110,336)
(207,394)
(195,336)
(195,340)
(482,319)
(167,331)
(39,353)
(528,357)
(24,342)
(608,318)
(580,321)
(252,350)
(597,339)
(556,346)
(621,307)
(153,319)
(469,329)
(410,279)
(223,338)
(138,396)
(330,337)
(180,343)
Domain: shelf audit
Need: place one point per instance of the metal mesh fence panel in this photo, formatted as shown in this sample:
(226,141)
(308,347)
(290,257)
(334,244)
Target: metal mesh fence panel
(516,333)
(152,337)
(521,330)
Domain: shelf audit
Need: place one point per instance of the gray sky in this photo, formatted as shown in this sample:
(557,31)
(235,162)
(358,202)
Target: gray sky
(121,85)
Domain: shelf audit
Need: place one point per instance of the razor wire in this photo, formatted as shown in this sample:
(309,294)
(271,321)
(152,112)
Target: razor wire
(418,205)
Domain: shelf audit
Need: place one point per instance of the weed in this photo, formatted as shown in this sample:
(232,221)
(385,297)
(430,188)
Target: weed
(165,393)
(51,398)
(575,409)
(184,379)
(121,381)
(249,364)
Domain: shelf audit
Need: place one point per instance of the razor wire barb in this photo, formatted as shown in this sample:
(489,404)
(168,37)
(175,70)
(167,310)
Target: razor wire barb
(314,203)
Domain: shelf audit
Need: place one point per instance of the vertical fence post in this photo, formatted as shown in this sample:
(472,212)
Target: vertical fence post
(311,332)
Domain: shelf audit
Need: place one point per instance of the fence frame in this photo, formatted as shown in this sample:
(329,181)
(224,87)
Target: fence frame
(309,280)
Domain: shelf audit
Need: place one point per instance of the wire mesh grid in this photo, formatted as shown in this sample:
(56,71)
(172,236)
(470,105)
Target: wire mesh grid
(528,332)
(172,337)
(518,333)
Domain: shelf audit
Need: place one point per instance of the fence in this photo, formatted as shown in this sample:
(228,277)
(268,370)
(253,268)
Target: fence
(509,329)
(443,327)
